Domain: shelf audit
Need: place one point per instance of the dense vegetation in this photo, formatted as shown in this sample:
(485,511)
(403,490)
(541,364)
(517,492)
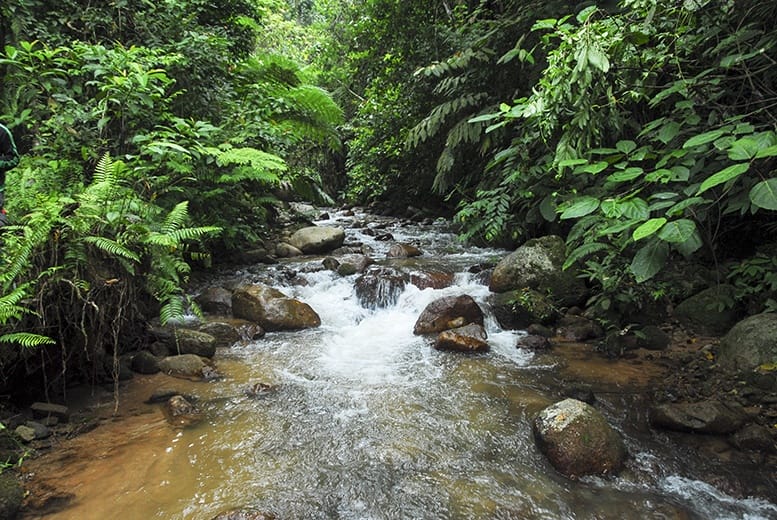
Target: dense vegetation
(154,133)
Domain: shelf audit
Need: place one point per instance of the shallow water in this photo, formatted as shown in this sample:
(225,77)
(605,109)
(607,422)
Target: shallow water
(369,422)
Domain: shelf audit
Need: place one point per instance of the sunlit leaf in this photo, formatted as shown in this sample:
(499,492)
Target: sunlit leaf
(764,194)
(648,228)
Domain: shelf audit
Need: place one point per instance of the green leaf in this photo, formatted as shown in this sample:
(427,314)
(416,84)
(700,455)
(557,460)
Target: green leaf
(771,151)
(626,175)
(595,168)
(580,208)
(626,147)
(764,194)
(598,59)
(724,175)
(743,149)
(677,231)
(649,260)
(571,162)
(583,251)
(548,209)
(669,131)
(635,208)
(691,245)
(706,137)
(648,228)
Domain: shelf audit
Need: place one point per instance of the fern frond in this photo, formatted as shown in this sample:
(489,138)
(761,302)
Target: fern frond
(176,218)
(26,339)
(257,159)
(172,310)
(112,247)
(248,173)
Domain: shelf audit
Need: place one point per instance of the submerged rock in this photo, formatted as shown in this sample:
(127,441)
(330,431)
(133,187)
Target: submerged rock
(181,412)
(469,338)
(533,342)
(272,310)
(578,440)
(186,365)
(402,250)
(245,514)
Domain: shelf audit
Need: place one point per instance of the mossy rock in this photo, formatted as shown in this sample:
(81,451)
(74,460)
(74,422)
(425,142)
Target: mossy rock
(11,495)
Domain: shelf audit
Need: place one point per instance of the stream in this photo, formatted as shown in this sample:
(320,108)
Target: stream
(369,422)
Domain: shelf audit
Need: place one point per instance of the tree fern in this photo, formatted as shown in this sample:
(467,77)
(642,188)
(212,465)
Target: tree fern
(26,339)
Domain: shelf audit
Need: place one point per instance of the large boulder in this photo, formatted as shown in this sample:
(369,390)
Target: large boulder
(538,265)
(469,338)
(712,311)
(578,440)
(447,313)
(750,343)
(380,286)
(431,278)
(710,416)
(271,309)
(317,239)
(520,308)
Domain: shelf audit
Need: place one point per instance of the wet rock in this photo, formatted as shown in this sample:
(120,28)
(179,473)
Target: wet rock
(750,343)
(431,279)
(186,365)
(182,413)
(402,250)
(447,313)
(225,334)
(708,416)
(242,514)
(284,250)
(712,311)
(580,393)
(533,342)
(145,362)
(25,433)
(258,255)
(257,390)
(577,328)
(272,310)
(317,239)
(163,395)
(535,329)
(11,495)
(469,338)
(578,440)
(519,308)
(159,349)
(330,263)
(754,437)
(538,265)
(187,341)
(380,286)
(43,410)
(216,300)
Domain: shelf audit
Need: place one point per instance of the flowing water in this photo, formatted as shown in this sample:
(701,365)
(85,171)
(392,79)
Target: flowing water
(369,422)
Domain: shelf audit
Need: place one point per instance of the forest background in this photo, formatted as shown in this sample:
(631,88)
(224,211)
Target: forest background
(154,133)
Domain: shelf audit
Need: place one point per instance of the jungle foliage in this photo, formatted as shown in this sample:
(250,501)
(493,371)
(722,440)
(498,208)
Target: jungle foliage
(643,131)
(152,133)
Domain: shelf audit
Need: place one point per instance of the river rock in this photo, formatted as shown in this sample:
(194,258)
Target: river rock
(186,365)
(380,286)
(317,239)
(11,495)
(520,308)
(44,410)
(578,328)
(215,300)
(188,341)
(272,310)
(538,265)
(181,412)
(750,343)
(225,334)
(402,250)
(710,416)
(578,440)
(469,338)
(449,312)
(284,250)
(754,437)
(431,279)
(713,311)
(145,362)
(533,342)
